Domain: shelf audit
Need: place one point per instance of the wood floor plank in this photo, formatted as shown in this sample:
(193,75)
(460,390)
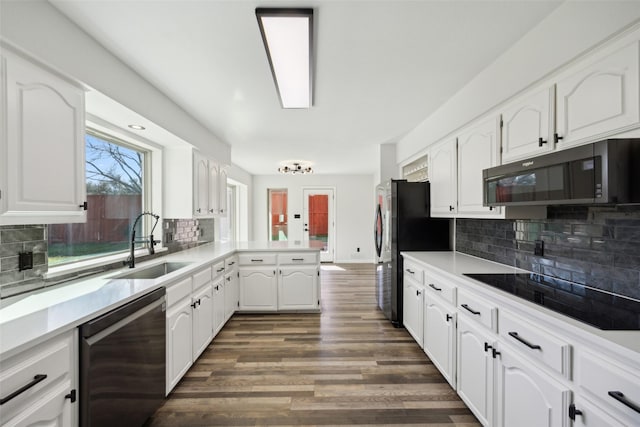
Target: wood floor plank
(347,366)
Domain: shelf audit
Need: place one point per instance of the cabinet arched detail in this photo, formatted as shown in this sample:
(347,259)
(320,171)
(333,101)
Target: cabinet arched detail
(607,88)
(600,100)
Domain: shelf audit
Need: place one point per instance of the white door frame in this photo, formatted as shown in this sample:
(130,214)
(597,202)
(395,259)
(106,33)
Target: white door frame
(330,254)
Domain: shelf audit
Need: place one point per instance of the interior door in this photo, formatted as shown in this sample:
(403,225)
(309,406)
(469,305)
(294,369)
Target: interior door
(319,224)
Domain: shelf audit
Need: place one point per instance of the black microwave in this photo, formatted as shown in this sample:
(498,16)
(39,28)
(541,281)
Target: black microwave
(604,172)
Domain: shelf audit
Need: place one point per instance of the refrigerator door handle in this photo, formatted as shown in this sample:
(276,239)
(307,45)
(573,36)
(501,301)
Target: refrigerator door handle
(379,231)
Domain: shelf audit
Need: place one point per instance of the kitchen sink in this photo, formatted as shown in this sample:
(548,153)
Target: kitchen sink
(154,271)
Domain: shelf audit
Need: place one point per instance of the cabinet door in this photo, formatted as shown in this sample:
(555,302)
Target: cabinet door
(298,288)
(525,127)
(230,294)
(222,192)
(443,179)
(599,100)
(214,189)
(477,150)
(412,308)
(200,185)
(202,319)
(179,339)
(258,289)
(219,293)
(590,415)
(475,370)
(440,337)
(42,173)
(52,409)
(527,397)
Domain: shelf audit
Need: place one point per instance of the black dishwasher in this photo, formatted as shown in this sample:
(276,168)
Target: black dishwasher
(122,363)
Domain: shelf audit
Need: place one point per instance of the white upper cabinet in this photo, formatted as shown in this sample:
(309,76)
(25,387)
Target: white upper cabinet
(222,191)
(477,150)
(200,185)
(193,185)
(42,178)
(527,126)
(443,178)
(600,99)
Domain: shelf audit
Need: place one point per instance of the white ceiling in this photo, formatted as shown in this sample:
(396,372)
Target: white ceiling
(381,68)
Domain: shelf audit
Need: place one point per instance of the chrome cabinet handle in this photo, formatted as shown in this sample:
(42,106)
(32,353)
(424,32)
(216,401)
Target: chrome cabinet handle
(620,397)
(525,342)
(36,380)
(466,307)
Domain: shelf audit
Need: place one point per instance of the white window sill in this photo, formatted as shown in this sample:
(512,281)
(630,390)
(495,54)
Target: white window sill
(89,264)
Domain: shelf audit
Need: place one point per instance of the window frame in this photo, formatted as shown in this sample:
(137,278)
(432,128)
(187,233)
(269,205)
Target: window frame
(151,186)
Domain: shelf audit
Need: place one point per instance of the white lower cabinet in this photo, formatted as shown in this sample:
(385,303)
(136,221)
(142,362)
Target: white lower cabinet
(440,337)
(475,369)
(179,342)
(39,385)
(298,288)
(258,289)
(53,409)
(526,396)
(587,414)
(413,309)
(218,313)
(202,304)
(230,294)
(279,282)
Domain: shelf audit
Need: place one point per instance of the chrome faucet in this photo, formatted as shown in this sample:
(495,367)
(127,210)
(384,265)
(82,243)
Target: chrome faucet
(131,261)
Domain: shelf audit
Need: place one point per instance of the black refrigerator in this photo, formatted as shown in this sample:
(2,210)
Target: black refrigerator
(403,223)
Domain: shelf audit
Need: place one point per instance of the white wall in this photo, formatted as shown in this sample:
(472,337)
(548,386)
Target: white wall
(354,206)
(569,31)
(243,177)
(40,30)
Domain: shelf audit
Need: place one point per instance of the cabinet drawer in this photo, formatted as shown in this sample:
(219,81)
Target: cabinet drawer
(414,271)
(298,258)
(230,263)
(39,368)
(262,258)
(178,291)
(478,309)
(536,343)
(610,383)
(202,278)
(218,268)
(443,289)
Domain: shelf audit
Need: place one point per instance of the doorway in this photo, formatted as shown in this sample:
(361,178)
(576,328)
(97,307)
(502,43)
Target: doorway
(319,220)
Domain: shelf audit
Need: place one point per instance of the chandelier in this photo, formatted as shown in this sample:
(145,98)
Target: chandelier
(295,168)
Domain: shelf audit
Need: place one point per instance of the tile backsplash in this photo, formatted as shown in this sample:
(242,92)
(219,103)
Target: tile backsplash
(177,235)
(22,238)
(596,246)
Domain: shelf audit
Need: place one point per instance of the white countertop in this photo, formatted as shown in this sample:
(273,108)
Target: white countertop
(455,264)
(44,314)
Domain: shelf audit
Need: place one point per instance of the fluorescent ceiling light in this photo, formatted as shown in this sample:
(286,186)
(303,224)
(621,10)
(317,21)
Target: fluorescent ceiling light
(286,34)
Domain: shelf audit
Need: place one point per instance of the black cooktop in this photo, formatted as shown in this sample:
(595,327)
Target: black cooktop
(597,308)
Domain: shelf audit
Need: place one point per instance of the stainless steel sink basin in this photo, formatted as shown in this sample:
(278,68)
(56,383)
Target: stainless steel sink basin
(154,272)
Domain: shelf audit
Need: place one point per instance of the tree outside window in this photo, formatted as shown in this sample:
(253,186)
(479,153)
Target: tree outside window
(114,179)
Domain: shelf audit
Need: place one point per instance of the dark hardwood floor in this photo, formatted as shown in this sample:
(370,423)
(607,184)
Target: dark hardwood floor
(346,366)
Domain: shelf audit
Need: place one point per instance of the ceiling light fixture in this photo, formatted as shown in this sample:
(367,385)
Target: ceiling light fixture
(137,127)
(287,38)
(296,168)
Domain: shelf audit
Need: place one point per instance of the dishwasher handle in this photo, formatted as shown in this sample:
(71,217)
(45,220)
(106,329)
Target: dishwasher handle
(103,322)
